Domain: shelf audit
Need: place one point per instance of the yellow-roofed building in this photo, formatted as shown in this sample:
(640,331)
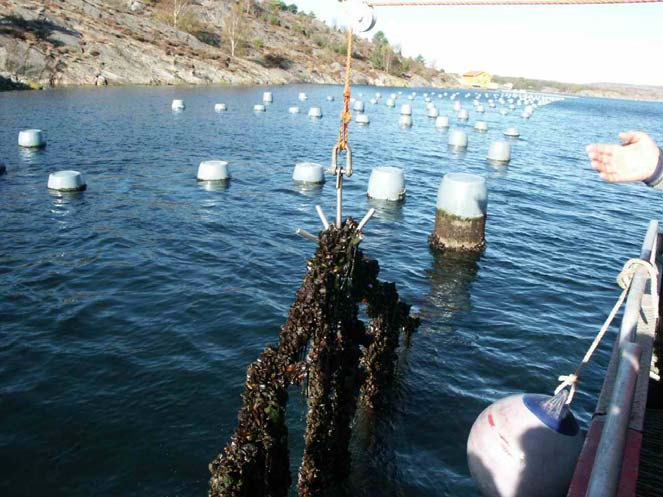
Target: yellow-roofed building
(480,79)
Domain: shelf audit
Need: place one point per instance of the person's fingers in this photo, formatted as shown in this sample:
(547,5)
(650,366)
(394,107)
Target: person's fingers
(628,137)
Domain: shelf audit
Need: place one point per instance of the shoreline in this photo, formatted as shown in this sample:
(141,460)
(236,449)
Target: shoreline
(431,85)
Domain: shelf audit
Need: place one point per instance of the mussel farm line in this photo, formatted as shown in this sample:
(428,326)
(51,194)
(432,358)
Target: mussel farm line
(344,363)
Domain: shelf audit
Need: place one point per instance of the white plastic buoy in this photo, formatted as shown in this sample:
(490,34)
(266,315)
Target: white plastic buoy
(390,103)
(267,97)
(373,101)
(512,132)
(66,181)
(504,112)
(308,172)
(358,106)
(406,110)
(524,445)
(457,139)
(220,108)
(405,122)
(302,96)
(213,170)
(433,113)
(177,105)
(481,109)
(442,122)
(463,115)
(499,151)
(457,106)
(330,98)
(315,112)
(31,138)
(481,126)
(259,108)
(460,215)
(387,183)
(362,119)
(430,105)
(293,110)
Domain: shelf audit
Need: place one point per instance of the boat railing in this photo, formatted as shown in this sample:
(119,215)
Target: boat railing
(608,464)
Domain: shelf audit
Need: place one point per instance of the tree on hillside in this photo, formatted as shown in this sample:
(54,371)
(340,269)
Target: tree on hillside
(383,54)
(176,9)
(234,23)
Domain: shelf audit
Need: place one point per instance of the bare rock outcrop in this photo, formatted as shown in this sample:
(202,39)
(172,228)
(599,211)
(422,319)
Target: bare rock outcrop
(118,42)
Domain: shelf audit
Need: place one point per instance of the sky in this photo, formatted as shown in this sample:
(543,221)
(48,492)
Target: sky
(571,43)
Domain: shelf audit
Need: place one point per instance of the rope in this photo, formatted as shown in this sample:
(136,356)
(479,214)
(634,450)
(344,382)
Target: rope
(435,3)
(346,117)
(624,280)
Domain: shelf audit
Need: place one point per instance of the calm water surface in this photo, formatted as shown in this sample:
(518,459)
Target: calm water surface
(128,314)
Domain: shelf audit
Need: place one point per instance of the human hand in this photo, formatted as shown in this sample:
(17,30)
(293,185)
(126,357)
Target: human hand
(635,159)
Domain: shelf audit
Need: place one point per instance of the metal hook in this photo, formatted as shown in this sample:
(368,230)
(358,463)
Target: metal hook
(347,171)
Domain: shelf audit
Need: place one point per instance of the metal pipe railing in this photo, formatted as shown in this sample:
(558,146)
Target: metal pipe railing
(606,472)
(638,287)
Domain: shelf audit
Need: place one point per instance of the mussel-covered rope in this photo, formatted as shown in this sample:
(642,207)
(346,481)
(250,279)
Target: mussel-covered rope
(624,280)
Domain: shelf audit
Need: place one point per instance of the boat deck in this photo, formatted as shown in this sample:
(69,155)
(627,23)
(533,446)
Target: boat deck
(650,474)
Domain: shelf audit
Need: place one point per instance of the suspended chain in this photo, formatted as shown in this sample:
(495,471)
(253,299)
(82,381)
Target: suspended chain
(434,3)
(342,144)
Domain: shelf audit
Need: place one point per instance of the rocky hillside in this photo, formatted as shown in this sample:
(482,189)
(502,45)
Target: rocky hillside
(157,42)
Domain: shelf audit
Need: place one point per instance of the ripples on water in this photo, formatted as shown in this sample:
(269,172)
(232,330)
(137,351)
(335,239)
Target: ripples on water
(128,314)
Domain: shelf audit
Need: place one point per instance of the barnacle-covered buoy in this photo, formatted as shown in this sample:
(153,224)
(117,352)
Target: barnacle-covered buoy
(460,215)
